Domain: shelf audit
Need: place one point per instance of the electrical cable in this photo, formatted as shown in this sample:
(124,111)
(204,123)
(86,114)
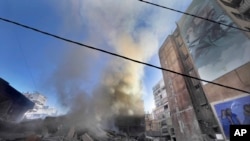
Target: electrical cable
(117,55)
(157,5)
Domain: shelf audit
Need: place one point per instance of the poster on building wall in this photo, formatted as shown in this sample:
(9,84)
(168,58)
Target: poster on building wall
(235,111)
(216,49)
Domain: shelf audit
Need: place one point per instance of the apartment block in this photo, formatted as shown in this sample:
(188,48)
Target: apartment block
(212,52)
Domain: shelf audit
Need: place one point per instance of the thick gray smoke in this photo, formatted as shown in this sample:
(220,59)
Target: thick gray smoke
(119,91)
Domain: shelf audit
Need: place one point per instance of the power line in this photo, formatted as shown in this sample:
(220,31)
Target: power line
(117,55)
(157,5)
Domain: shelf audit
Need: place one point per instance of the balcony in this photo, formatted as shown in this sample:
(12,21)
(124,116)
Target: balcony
(164,131)
(163,123)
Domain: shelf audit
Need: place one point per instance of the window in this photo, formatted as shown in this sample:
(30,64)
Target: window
(165,130)
(200,96)
(164,122)
(195,82)
(184,52)
(188,63)
(197,86)
(165,107)
(172,131)
(163,88)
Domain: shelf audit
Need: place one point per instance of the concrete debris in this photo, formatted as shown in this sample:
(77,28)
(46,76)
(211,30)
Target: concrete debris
(54,129)
(86,137)
(71,132)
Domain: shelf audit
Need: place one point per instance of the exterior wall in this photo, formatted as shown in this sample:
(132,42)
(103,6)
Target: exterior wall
(221,98)
(13,104)
(182,113)
(162,112)
(148,122)
(160,95)
(156,125)
(151,123)
(41,113)
(213,52)
(159,113)
(39,110)
(215,49)
(240,14)
(37,98)
(132,125)
(238,78)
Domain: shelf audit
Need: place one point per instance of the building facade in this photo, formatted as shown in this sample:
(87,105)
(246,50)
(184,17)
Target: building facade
(182,111)
(152,128)
(212,52)
(40,109)
(239,12)
(38,99)
(13,104)
(148,122)
(162,112)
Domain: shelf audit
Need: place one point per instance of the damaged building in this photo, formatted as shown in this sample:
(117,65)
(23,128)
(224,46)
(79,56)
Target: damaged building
(62,128)
(133,126)
(13,104)
(40,110)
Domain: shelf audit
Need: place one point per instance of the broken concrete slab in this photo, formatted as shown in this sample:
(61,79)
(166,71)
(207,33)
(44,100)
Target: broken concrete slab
(86,137)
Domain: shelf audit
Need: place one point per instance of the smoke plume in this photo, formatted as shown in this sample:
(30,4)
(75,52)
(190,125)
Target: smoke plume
(119,90)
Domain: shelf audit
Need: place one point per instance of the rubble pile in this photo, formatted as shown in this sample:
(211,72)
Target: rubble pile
(49,129)
(54,129)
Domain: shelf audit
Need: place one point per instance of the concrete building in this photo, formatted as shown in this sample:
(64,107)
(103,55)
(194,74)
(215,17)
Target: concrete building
(40,109)
(38,99)
(148,122)
(160,123)
(160,95)
(178,96)
(133,126)
(162,112)
(212,52)
(13,104)
(151,124)
(238,11)
(152,128)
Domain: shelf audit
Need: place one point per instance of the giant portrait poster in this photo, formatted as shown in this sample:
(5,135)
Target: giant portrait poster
(234,111)
(216,49)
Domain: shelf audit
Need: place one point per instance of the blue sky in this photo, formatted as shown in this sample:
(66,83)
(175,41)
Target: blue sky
(30,61)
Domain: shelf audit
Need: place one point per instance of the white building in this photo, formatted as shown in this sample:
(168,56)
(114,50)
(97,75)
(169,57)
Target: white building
(37,98)
(162,111)
(161,100)
(40,109)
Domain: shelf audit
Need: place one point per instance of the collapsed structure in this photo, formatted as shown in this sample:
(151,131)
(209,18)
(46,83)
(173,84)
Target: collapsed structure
(40,110)
(64,129)
(70,127)
(13,104)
